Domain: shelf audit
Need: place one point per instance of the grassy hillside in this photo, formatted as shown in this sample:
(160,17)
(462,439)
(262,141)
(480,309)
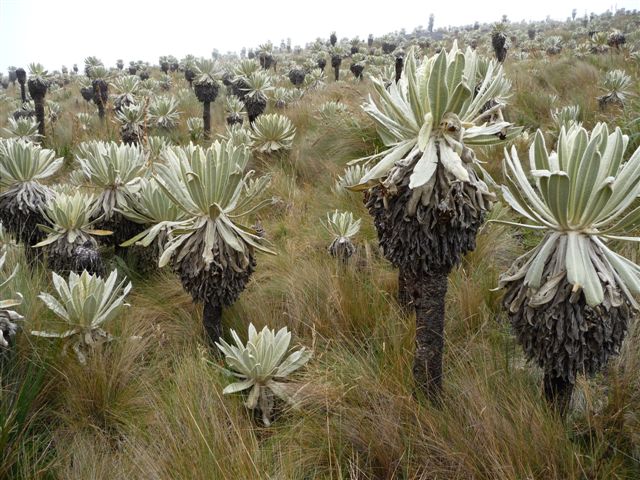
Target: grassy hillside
(150,404)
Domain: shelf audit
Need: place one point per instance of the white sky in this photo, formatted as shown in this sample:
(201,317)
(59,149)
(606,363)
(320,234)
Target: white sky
(57,32)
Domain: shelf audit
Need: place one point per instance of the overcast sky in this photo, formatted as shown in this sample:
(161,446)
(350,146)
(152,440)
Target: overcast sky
(57,32)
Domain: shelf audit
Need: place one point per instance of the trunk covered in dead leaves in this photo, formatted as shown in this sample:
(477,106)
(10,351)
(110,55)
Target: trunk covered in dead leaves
(558,391)
(212,322)
(428,292)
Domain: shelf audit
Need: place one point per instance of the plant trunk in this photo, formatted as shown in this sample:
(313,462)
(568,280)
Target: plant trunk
(399,66)
(336,72)
(558,393)
(404,293)
(23,92)
(429,292)
(100,110)
(212,321)
(39,108)
(206,118)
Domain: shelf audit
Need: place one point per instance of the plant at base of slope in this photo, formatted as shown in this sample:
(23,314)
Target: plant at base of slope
(272,133)
(69,243)
(261,366)
(85,302)
(571,297)
(343,227)
(8,316)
